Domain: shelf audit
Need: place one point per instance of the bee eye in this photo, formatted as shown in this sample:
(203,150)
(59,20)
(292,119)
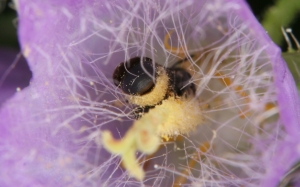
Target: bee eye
(132,78)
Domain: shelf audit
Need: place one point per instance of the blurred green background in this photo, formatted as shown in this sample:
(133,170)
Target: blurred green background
(8,26)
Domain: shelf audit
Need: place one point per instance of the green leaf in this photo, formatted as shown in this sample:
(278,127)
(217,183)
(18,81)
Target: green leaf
(293,61)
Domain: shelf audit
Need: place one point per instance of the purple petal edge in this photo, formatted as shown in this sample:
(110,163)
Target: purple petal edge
(287,152)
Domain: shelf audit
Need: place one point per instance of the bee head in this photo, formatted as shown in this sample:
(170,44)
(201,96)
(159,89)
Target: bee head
(133,76)
(135,79)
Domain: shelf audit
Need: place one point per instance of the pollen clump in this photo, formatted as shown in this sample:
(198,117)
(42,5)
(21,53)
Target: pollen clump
(156,95)
(174,116)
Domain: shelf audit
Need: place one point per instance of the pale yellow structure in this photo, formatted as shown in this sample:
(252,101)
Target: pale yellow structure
(170,117)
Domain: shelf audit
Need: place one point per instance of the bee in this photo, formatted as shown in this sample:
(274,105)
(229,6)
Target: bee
(164,107)
(147,84)
(154,88)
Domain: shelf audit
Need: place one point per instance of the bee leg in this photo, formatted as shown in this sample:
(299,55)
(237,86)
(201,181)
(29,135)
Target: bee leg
(175,50)
(188,58)
(139,111)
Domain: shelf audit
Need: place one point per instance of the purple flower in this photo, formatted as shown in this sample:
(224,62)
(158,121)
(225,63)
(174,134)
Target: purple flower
(51,131)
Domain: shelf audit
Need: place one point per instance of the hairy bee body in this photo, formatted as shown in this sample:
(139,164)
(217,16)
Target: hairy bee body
(165,107)
(162,96)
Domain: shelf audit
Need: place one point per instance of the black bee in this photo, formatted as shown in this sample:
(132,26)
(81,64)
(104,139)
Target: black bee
(147,83)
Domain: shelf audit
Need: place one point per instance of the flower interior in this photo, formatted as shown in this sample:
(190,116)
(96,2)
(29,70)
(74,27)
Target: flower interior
(234,104)
(235,96)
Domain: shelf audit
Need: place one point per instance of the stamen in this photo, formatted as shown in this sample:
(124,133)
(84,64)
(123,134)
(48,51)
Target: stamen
(239,90)
(140,137)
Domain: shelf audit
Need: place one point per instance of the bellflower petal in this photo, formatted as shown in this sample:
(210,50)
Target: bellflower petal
(51,131)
